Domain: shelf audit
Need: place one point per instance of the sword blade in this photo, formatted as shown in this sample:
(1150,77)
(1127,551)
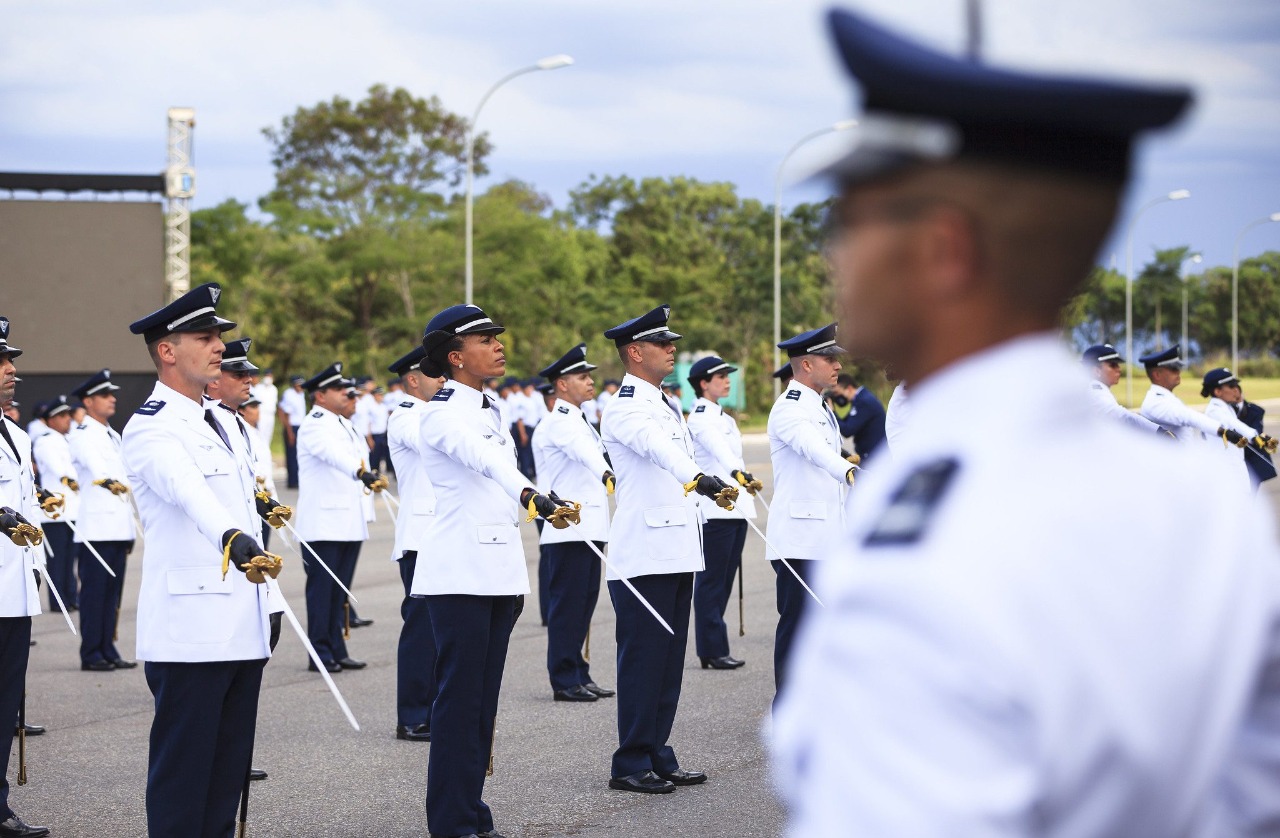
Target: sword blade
(57,597)
(760,497)
(625,581)
(390,509)
(386,493)
(785,563)
(328,570)
(274,588)
(92,550)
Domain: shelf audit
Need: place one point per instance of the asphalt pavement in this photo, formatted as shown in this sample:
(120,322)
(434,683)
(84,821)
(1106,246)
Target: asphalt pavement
(87,774)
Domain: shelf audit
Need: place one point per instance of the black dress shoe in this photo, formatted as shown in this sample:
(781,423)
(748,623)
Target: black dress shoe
(15,828)
(645,782)
(414,733)
(351,663)
(683,778)
(578,693)
(597,690)
(725,662)
(33,730)
(93,666)
(121,663)
(329,666)
(360,622)
(490,834)
(257,774)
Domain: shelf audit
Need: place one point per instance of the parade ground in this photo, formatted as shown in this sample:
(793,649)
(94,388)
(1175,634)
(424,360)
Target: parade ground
(87,774)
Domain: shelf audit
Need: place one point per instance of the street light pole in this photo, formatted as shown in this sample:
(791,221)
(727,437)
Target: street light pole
(1195,259)
(551,62)
(1235,291)
(1176,195)
(843,125)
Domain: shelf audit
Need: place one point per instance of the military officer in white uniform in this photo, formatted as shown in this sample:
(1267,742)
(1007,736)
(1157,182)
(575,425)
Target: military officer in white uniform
(1219,385)
(471,569)
(333,478)
(52,455)
(19,598)
(1103,364)
(291,410)
(416,651)
(203,627)
(717,449)
(656,543)
(264,390)
(999,656)
(1160,405)
(105,520)
(810,479)
(568,455)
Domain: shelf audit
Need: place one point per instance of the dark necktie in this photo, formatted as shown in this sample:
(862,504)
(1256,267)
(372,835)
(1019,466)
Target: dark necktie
(213,423)
(4,431)
(484,402)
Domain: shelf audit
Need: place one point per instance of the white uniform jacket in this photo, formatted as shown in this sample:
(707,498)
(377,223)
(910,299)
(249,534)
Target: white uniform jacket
(293,403)
(717,449)
(656,527)
(417,495)
(1167,410)
(270,399)
(995,658)
(1104,402)
(52,454)
(95,450)
(239,434)
(1226,416)
(474,545)
(18,594)
(806,517)
(190,490)
(569,457)
(331,501)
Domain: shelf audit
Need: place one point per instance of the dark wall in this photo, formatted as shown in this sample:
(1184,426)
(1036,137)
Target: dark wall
(32,389)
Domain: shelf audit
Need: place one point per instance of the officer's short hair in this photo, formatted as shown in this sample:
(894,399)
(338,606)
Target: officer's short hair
(440,357)
(846,380)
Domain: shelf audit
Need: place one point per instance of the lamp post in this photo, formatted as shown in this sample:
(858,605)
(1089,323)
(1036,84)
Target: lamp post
(1194,259)
(1176,195)
(551,62)
(842,125)
(1235,290)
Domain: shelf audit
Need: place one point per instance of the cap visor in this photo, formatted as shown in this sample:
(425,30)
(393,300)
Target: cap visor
(11,351)
(830,350)
(238,366)
(659,337)
(201,324)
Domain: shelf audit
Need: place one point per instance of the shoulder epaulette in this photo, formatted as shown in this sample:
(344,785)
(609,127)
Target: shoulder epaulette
(406,404)
(627,391)
(316,415)
(562,409)
(910,508)
(443,394)
(793,395)
(150,408)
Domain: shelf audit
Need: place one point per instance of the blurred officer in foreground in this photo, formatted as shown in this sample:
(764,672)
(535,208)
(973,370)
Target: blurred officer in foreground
(332,480)
(1222,388)
(995,660)
(104,520)
(472,573)
(204,628)
(19,597)
(52,455)
(810,479)
(1160,405)
(568,454)
(416,652)
(656,534)
(717,449)
(1103,364)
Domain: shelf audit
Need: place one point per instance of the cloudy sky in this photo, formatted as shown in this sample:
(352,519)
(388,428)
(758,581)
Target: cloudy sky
(714,89)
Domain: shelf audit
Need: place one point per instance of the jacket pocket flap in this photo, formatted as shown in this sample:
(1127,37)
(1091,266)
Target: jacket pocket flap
(808,509)
(666,516)
(494,533)
(210,463)
(199,580)
(334,501)
(423,506)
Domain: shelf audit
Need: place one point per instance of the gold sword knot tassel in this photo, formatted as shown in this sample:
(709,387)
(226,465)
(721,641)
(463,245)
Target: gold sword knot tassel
(52,504)
(25,535)
(725,497)
(257,569)
(566,515)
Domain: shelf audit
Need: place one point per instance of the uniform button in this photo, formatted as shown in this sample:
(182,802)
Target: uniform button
(200,587)
(495,538)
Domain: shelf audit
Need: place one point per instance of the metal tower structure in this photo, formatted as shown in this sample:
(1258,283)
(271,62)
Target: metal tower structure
(180,186)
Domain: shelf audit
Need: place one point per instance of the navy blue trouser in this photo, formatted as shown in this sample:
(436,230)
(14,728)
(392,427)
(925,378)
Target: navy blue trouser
(415,655)
(573,584)
(792,600)
(15,649)
(472,633)
(325,599)
(100,600)
(650,669)
(62,563)
(201,745)
(348,577)
(291,458)
(722,540)
(380,454)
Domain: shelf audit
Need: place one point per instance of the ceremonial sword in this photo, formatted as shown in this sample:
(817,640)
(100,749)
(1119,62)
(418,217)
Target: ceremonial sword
(624,579)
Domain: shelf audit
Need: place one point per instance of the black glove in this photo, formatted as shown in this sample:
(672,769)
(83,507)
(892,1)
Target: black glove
(113,486)
(20,531)
(850,456)
(275,630)
(550,507)
(747,481)
(49,502)
(273,511)
(708,485)
(70,483)
(610,482)
(372,481)
(1232,438)
(242,551)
